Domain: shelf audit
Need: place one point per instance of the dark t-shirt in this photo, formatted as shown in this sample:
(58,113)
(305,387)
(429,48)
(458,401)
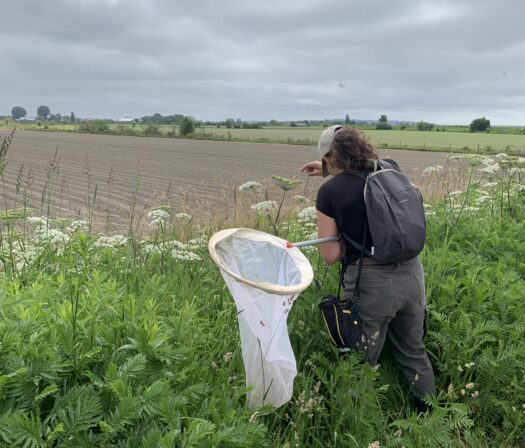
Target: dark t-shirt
(341,198)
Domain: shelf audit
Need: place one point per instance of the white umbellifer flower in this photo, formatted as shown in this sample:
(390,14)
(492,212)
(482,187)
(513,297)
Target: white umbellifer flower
(250,185)
(468,208)
(158,217)
(53,237)
(149,249)
(455,193)
(375,444)
(182,255)
(469,385)
(312,236)
(491,169)
(490,184)
(77,226)
(183,217)
(198,243)
(163,247)
(501,155)
(264,206)
(482,199)
(427,206)
(307,214)
(111,241)
(433,169)
(158,213)
(37,220)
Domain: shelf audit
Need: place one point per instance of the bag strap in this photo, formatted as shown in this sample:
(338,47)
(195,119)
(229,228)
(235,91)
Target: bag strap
(357,291)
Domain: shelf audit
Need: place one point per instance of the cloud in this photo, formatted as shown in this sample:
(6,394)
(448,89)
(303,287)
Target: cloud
(437,60)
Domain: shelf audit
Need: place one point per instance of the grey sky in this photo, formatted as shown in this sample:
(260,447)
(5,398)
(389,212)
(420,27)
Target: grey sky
(441,61)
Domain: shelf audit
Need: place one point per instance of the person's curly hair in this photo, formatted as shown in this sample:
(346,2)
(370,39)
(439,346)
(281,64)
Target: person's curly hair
(352,150)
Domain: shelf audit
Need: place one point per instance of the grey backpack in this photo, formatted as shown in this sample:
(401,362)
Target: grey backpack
(395,214)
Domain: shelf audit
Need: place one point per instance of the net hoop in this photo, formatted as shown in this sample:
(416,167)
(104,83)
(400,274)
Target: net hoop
(297,256)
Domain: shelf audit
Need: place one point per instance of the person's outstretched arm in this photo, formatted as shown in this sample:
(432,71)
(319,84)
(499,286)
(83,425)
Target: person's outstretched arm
(313,168)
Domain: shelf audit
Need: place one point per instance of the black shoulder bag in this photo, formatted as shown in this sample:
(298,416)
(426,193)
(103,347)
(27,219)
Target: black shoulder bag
(341,317)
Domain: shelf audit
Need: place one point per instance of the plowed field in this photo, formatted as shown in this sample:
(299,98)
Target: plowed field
(71,174)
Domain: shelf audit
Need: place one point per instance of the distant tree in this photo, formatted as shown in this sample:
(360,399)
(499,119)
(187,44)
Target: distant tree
(18,112)
(424,126)
(293,124)
(43,111)
(383,123)
(72,117)
(347,119)
(479,125)
(187,126)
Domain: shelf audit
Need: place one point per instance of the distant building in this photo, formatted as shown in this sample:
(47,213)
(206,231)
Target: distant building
(126,120)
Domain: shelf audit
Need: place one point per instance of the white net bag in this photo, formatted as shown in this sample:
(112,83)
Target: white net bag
(264,277)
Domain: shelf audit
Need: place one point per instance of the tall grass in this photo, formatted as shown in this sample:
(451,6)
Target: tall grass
(132,341)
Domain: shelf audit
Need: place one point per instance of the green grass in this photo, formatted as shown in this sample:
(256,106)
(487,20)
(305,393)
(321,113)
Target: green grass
(491,143)
(128,344)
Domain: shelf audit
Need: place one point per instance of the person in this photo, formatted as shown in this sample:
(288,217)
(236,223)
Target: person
(392,303)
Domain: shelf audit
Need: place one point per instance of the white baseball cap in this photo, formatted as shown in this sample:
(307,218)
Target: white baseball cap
(325,140)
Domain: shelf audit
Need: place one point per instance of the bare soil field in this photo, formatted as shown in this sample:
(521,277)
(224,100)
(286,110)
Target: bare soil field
(111,177)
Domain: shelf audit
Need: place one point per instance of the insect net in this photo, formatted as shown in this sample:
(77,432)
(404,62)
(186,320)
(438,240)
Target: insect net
(264,278)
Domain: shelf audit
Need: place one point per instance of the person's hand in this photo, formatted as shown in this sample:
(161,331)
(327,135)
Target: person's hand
(312,168)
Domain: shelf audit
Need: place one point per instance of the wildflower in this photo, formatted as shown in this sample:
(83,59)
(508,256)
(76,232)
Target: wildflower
(375,444)
(427,206)
(450,389)
(213,365)
(286,184)
(469,365)
(232,378)
(470,386)
(250,185)
(37,220)
(227,357)
(398,433)
(471,209)
(53,237)
(475,394)
(455,193)
(111,241)
(182,255)
(264,206)
(158,214)
(436,169)
(197,243)
(183,217)
(460,369)
(307,214)
(462,391)
(482,199)
(254,416)
(491,169)
(490,184)
(77,226)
